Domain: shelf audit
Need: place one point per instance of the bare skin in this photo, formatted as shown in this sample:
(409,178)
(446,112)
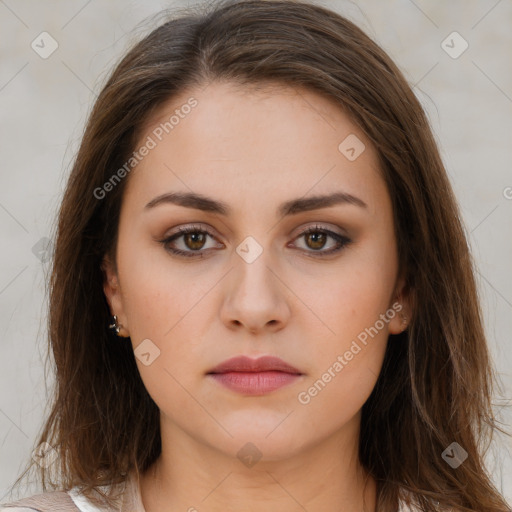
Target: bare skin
(254,151)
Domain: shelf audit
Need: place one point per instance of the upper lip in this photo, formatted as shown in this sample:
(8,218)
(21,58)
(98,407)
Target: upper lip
(261,364)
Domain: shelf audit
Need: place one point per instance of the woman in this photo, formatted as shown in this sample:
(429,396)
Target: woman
(262,296)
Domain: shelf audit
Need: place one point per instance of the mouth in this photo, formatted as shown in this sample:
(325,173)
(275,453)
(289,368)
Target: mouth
(254,376)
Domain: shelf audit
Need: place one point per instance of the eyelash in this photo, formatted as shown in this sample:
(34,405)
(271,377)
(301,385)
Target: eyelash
(342,241)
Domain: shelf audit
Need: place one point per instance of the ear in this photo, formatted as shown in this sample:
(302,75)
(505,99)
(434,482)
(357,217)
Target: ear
(401,304)
(113,294)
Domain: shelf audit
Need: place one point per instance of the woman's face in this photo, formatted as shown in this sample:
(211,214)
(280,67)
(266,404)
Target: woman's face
(251,169)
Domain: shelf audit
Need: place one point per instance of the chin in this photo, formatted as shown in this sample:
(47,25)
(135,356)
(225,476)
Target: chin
(262,444)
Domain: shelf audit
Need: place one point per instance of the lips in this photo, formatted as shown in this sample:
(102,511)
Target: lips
(248,365)
(247,376)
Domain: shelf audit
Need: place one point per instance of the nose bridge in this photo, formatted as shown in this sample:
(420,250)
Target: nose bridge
(254,265)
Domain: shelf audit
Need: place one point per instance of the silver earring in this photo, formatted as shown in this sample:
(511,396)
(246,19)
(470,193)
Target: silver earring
(114,326)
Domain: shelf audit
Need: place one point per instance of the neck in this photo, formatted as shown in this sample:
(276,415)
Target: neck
(192,477)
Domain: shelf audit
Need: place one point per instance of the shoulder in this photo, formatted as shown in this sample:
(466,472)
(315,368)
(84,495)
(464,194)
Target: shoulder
(408,502)
(412,506)
(15,509)
(56,501)
(75,501)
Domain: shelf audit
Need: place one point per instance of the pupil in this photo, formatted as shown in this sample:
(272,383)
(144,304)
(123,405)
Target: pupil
(318,237)
(196,239)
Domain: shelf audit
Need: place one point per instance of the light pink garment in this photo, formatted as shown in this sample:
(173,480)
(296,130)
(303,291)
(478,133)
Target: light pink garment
(73,501)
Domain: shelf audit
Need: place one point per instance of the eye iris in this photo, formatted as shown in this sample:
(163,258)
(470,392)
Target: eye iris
(196,238)
(318,239)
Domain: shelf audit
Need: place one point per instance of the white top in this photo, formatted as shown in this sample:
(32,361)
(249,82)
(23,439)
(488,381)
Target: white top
(131,498)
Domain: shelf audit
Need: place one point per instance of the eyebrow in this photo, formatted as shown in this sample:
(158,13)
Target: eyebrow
(292,207)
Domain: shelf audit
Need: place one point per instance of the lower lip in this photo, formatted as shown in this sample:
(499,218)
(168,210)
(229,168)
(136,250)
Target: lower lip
(254,383)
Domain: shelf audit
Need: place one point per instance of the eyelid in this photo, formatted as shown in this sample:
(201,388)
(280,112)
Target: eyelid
(299,231)
(320,226)
(190,228)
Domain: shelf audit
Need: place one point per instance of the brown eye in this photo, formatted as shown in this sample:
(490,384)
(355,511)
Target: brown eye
(316,238)
(194,241)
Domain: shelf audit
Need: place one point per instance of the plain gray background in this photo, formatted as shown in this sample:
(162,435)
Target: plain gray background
(45,101)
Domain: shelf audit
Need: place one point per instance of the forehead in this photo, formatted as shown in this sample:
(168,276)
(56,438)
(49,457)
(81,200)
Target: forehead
(274,141)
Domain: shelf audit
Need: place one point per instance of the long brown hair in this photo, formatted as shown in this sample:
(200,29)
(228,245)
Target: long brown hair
(437,381)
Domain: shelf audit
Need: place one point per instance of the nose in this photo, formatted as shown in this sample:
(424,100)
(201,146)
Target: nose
(255,297)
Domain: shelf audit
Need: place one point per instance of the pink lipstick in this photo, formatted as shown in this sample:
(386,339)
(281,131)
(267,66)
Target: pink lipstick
(254,376)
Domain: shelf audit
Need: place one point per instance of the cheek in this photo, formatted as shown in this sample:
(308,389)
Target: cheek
(346,360)
(157,293)
(334,398)
(163,310)
(169,304)
(348,299)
